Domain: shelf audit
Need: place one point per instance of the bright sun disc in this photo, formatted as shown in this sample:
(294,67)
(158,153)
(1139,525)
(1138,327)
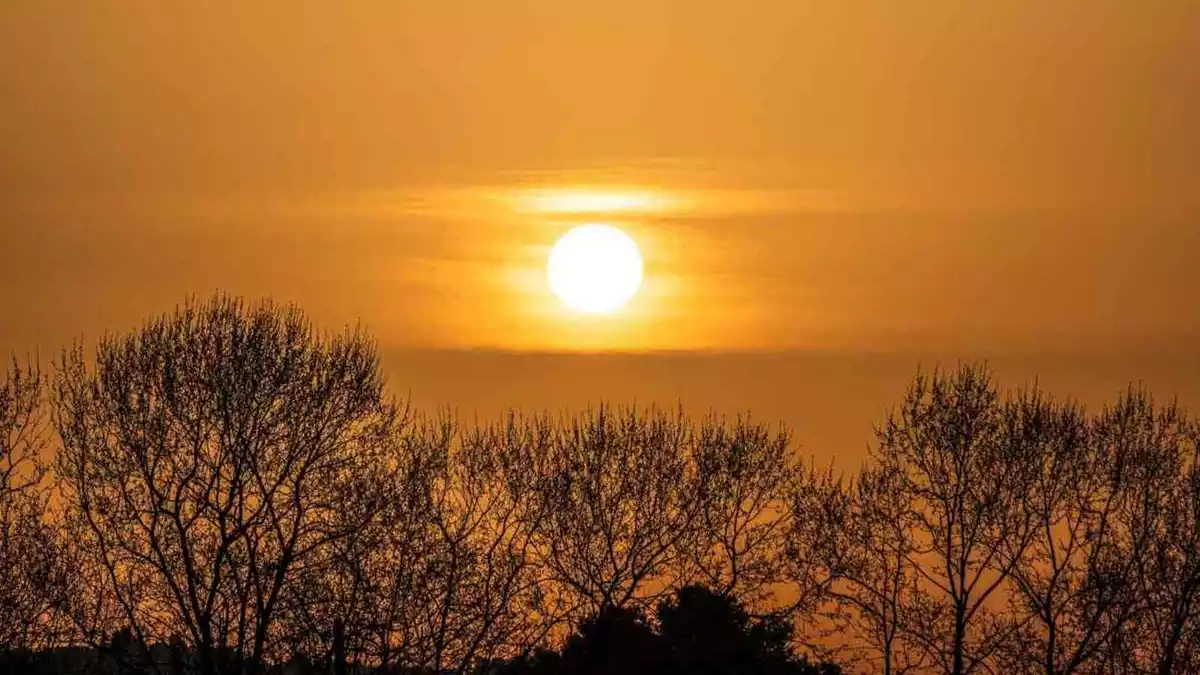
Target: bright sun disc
(595,269)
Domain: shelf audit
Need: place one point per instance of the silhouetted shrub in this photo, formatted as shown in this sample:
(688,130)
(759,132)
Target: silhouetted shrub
(699,632)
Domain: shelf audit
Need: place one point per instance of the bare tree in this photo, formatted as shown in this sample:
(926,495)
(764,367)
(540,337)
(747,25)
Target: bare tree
(534,523)
(239,485)
(1097,499)
(1160,444)
(818,508)
(447,576)
(204,459)
(33,586)
(965,458)
(866,544)
(475,594)
(618,512)
(392,571)
(745,474)
(345,586)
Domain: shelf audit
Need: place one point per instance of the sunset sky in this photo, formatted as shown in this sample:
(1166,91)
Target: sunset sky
(825,194)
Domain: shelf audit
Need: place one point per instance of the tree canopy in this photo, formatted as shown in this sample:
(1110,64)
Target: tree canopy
(228,489)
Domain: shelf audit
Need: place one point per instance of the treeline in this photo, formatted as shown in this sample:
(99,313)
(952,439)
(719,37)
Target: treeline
(226,489)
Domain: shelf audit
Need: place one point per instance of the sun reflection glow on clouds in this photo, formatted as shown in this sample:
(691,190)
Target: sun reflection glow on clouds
(585,200)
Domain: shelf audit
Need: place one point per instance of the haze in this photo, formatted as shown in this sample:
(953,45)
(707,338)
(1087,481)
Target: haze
(827,195)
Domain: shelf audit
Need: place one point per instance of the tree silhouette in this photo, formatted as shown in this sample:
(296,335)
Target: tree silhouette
(866,542)
(745,475)
(32,586)
(207,459)
(618,511)
(1096,499)
(637,504)
(1162,445)
(234,492)
(467,588)
(699,632)
(351,583)
(966,458)
(706,633)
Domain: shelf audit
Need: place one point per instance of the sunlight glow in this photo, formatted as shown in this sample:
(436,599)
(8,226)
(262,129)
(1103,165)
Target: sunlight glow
(595,269)
(590,203)
(585,200)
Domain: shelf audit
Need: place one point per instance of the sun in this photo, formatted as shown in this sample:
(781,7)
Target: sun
(595,269)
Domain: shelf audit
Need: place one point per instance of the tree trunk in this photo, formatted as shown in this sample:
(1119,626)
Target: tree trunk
(385,653)
(207,664)
(960,632)
(339,647)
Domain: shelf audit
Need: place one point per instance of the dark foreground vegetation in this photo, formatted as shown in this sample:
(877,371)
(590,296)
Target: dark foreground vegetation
(225,490)
(697,632)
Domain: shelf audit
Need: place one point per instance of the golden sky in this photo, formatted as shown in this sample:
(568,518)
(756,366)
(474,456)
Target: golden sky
(848,177)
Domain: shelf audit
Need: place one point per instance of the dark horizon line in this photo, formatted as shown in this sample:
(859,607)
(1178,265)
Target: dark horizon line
(942,353)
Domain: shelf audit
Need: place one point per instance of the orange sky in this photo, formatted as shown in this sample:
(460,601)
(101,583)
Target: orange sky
(857,177)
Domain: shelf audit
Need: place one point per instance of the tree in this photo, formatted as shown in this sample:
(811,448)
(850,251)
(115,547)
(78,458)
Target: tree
(209,459)
(33,586)
(745,476)
(637,504)
(708,633)
(473,593)
(618,511)
(348,586)
(698,632)
(818,509)
(1161,445)
(532,523)
(966,458)
(1096,500)
(866,542)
